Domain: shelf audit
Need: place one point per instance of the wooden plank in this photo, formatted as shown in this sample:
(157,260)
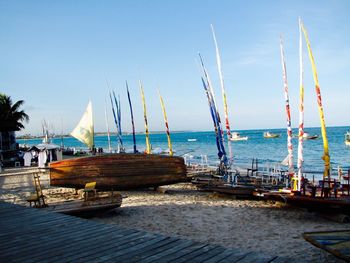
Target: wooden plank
(195,253)
(235,257)
(146,245)
(215,250)
(224,254)
(172,242)
(256,258)
(169,255)
(64,250)
(109,249)
(63,243)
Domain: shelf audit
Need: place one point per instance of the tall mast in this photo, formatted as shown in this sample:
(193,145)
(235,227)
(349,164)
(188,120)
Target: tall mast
(325,157)
(148,145)
(108,133)
(227,124)
(166,125)
(301,110)
(289,122)
(132,117)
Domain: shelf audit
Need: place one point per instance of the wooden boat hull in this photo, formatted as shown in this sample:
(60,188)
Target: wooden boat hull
(327,205)
(86,208)
(118,171)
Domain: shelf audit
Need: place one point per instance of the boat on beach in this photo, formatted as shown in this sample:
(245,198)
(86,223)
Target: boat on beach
(235,136)
(118,171)
(86,208)
(269,135)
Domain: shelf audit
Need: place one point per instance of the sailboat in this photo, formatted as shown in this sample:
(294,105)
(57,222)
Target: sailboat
(118,171)
(324,197)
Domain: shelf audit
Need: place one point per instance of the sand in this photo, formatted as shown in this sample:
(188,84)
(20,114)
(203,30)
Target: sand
(181,210)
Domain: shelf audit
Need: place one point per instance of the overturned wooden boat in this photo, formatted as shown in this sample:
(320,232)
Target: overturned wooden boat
(118,171)
(88,207)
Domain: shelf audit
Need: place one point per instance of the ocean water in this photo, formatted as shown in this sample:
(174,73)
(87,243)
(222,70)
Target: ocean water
(266,150)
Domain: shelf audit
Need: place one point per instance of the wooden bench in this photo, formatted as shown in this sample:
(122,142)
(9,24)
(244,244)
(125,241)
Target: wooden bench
(89,189)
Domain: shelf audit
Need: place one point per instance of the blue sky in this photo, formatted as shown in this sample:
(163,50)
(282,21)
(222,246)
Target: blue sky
(56,55)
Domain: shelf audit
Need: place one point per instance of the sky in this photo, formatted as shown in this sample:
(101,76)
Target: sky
(58,55)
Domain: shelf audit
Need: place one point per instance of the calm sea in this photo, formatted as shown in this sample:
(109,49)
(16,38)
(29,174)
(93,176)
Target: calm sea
(266,150)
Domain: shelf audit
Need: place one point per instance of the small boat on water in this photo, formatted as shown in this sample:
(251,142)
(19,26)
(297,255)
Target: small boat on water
(271,135)
(347,138)
(307,136)
(191,140)
(235,136)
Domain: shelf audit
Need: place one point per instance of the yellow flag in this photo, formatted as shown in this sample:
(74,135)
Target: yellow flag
(325,156)
(166,125)
(148,145)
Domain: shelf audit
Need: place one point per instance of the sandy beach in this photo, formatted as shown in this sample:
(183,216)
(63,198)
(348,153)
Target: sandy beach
(181,210)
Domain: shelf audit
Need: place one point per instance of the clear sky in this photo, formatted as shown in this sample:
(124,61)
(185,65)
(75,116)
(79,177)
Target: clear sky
(56,55)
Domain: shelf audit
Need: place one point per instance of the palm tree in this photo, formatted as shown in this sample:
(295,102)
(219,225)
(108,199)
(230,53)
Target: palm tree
(11,120)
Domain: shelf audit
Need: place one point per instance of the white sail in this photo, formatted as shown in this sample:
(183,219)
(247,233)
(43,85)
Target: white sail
(84,131)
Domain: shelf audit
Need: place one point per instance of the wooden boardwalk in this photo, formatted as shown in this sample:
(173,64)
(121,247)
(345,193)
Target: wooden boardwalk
(34,235)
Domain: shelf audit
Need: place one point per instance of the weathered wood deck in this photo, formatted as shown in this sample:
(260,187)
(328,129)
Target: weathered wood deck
(33,235)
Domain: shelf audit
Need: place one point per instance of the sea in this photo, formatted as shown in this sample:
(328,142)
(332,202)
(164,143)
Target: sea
(197,146)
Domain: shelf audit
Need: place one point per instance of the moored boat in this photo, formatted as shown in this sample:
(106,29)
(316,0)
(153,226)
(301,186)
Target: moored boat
(347,138)
(235,136)
(271,135)
(307,136)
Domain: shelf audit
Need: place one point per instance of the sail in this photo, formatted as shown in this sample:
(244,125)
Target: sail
(325,157)
(108,133)
(301,110)
(166,125)
(132,117)
(289,122)
(148,145)
(227,124)
(84,131)
(215,114)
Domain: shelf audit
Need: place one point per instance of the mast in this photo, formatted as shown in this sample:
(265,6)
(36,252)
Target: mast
(120,143)
(148,145)
(301,109)
(325,157)
(132,118)
(227,124)
(108,133)
(166,125)
(289,122)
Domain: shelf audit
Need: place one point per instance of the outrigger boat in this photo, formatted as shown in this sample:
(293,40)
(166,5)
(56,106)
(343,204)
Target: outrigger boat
(119,171)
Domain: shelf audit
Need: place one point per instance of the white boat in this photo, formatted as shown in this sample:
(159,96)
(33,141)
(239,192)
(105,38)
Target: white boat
(347,138)
(191,140)
(235,136)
